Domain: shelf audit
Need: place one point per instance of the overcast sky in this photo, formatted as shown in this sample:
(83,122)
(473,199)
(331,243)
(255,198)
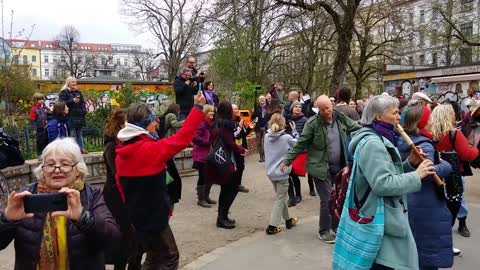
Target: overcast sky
(98,21)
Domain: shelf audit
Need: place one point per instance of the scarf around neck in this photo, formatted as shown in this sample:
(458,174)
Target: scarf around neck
(54,246)
(385,129)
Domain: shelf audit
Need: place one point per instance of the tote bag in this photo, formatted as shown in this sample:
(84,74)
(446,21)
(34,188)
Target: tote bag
(358,241)
(220,157)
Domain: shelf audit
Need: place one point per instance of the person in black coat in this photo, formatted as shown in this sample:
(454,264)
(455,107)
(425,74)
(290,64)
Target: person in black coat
(76,109)
(185,88)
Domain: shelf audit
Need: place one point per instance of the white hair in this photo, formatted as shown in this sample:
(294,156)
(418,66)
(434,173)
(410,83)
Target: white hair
(67,147)
(377,105)
(69,80)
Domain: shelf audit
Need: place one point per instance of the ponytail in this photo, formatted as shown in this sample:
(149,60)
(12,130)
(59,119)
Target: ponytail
(275,128)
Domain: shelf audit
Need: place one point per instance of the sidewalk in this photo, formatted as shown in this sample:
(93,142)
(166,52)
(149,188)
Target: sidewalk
(298,248)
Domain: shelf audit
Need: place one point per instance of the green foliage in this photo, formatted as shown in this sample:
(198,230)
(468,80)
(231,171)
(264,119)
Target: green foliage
(97,119)
(126,96)
(246,91)
(19,86)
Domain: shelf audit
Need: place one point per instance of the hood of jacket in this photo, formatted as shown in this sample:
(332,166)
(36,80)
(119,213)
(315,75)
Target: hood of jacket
(130,131)
(273,137)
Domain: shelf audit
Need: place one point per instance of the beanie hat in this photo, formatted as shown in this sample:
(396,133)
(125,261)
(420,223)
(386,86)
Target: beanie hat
(295,103)
(424,120)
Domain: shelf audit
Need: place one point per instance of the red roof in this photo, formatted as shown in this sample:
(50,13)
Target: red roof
(49,44)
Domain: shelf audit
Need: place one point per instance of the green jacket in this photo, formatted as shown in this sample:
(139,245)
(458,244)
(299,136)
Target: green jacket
(172,124)
(314,141)
(381,167)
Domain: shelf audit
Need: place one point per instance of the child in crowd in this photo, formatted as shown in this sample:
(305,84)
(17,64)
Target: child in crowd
(277,143)
(38,118)
(58,125)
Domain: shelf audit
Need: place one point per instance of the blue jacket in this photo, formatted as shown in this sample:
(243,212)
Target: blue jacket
(57,128)
(429,217)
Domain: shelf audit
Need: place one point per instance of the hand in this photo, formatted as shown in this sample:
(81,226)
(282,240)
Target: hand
(199,98)
(283,167)
(75,208)
(240,124)
(187,82)
(292,125)
(426,168)
(414,160)
(245,152)
(195,83)
(15,210)
(252,125)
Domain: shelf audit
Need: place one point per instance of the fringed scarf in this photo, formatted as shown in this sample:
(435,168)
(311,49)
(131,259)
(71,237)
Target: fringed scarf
(54,246)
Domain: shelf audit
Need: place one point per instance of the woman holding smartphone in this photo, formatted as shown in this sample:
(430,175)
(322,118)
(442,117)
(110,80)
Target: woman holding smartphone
(72,239)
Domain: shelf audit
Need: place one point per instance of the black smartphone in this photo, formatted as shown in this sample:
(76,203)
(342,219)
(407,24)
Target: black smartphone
(45,202)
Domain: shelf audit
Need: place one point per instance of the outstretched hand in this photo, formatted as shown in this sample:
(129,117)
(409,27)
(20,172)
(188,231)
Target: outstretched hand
(199,98)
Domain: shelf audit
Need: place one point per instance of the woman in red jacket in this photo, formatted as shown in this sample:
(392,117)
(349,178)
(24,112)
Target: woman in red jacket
(223,129)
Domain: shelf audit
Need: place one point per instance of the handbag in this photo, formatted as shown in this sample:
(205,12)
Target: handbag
(359,237)
(298,164)
(220,157)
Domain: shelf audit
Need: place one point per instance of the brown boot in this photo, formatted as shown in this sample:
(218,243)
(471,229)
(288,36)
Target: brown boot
(207,195)
(201,197)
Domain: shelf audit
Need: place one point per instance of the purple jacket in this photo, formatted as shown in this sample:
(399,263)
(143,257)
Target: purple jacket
(201,141)
(86,239)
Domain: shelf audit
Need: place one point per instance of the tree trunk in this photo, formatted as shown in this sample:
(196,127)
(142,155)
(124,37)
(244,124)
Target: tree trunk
(341,60)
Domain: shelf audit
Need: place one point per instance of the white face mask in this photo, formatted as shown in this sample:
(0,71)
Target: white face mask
(315,110)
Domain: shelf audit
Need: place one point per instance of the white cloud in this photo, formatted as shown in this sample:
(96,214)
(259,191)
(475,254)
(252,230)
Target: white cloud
(98,21)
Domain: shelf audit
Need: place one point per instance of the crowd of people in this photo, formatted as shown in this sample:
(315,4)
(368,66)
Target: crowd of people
(304,137)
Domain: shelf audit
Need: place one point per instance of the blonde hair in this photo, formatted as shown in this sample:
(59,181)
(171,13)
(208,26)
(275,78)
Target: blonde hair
(69,80)
(208,108)
(38,96)
(67,147)
(277,122)
(442,120)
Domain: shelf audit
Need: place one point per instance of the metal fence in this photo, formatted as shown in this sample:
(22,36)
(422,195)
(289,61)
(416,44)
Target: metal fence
(92,137)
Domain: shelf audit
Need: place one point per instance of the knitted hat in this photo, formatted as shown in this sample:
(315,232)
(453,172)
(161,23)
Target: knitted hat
(424,120)
(295,103)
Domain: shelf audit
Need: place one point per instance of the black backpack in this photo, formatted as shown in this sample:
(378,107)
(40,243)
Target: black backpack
(10,154)
(162,130)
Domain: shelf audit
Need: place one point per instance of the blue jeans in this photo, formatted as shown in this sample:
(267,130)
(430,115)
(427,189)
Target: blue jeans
(77,134)
(463,212)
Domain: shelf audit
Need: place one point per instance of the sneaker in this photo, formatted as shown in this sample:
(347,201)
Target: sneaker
(243,189)
(273,230)
(291,222)
(463,231)
(456,251)
(328,238)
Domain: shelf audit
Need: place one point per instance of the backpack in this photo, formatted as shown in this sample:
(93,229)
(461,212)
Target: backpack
(339,192)
(10,154)
(162,130)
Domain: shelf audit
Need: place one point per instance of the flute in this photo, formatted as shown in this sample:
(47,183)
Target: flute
(410,143)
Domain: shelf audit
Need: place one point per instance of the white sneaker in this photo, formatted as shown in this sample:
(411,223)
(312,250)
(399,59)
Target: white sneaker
(456,251)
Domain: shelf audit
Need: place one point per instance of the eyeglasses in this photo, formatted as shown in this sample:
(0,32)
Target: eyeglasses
(63,168)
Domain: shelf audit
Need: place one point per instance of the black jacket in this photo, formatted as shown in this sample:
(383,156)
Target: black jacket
(76,111)
(184,94)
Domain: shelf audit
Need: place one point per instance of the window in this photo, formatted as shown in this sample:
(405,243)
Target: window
(466,55)
(34,58)
(54,59)
(47,73)
(410,60)
(55,72)
(34,72)
(467,29)
(421,38)
(422,16)
(422,59)
(434,59)
(118,62)
(45,58)
(15,59)
(25,60)
(125,62)
(466,5)
(62,58)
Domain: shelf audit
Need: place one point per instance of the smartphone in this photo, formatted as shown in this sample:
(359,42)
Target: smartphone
(45,202)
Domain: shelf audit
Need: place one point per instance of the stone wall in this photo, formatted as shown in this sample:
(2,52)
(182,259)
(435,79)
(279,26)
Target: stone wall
(18,176)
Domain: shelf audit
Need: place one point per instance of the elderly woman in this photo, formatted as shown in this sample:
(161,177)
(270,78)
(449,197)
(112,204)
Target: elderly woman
(382,173)
(71,239)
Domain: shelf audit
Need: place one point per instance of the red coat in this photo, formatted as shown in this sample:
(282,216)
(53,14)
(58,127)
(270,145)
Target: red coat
(464,150)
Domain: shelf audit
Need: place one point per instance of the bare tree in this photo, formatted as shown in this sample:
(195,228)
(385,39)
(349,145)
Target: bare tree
(342,13)
(377,32)
(176,25)
(145,64)
(72,59)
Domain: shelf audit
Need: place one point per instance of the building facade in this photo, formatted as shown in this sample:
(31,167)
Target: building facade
(26,55)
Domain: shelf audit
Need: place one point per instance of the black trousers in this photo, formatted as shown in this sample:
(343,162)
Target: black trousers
(294,186)
(201,173)
(161,249)
(228,193)
(240,160)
